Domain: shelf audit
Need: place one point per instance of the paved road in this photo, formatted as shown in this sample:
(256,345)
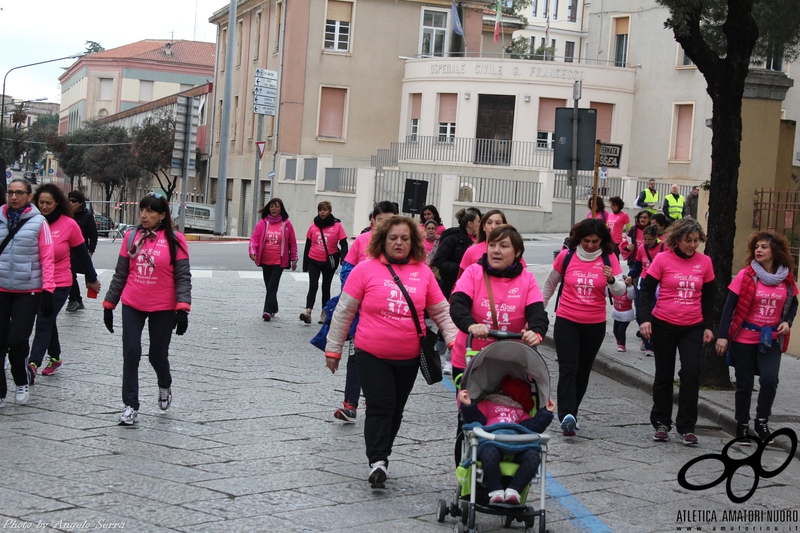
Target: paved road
(249,443)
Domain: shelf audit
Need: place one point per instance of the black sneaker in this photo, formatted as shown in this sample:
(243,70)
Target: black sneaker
(762,429)
(742,431)
(75,306)
(661,434)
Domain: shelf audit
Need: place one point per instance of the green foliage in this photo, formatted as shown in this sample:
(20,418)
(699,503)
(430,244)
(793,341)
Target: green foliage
(516,8)
(93,47)
(153,143)
(110,161)
(520,49)
(39,134)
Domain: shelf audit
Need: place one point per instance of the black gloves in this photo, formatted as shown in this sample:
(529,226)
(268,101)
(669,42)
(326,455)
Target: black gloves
(108,319)
(46,304)
(181,322)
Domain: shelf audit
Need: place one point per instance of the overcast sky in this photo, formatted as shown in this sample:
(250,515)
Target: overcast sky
(38,30)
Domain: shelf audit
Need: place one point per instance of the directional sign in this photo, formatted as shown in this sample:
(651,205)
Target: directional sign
(271,175)
(265,91)
(264,100)
(610,154)
(260,145)
(264,73)
(264,110)
(266,82)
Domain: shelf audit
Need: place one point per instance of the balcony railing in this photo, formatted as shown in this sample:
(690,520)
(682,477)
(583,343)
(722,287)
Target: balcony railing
(340,180)
(499,191)
(471,150)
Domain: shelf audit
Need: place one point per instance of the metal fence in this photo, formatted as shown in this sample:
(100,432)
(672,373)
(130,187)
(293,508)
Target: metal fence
(499,191)
(471,150)
(778,211)
(606,188)
(392,185)
(340,180)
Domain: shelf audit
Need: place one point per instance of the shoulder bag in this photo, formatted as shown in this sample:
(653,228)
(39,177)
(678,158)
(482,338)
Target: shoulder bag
(491,299)
(11,234)
(331,257)
(429,362)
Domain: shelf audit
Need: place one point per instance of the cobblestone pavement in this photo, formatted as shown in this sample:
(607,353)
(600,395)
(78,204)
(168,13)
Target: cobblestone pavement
(250,443)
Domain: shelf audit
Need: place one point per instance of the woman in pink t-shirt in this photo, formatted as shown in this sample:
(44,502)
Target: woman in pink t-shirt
(580,325)
(634,237)
(761,306)
(618,222)
(325,237)
(599,206)
(387,346)
(154,282)
(489,221)
(273,247)
(429,212)
(67,240)
(681,319)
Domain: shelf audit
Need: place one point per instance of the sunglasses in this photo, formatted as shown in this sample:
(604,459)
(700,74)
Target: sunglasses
(17,193)
(73,201)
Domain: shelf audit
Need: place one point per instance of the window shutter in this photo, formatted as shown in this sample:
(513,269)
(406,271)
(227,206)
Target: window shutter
(622,25)
(547,113)
(683,133)
(340,11)
(605,113)
(416,105)
(448,103)
(331,112)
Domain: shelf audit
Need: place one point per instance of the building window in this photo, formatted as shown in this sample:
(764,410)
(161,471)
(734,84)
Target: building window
(257,37)
(546,124)
(223,50)
(605,113)
(775,61)
(106,89)
(683,120)
(239,41)
(448,103)
(145,91)
(572,10)
(332,104)
(434,33)
(218,119)
(546,8)
(291,169)
(534,8)
(416,109)
(278,20)
(555,9)
(235,121)
(621,41)
(569,51)
(102,113)
(686,61)
(337,26)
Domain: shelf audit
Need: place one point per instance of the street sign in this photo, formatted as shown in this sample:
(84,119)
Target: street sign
(610,154)
(265,91)
(260,145)
(264,100)
(562,138)
(603,174)
(51,170)
(271,175)
(9,175)
(264,110)
(264,73)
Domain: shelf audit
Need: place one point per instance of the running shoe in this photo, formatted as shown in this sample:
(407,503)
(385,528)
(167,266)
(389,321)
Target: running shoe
(762,429)
(128,417)
(378,474)
(447,368)
(164,398)
(512,497)
(52,366)
(743,430)
(621,348)
(689,439)
(266,316)
(496,496)
(321,317)
(568,426)
(346,413)
(305,317)
(2,402)
(75,306)
(32,370)
(661,434)
(23,394)
(649,353)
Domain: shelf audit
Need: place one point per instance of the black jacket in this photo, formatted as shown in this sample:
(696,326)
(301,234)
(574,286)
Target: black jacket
(88,227)
(453,243)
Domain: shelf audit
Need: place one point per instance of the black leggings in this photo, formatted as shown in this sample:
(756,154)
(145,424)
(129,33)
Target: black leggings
(315,268)
(620,331)
(17,315)
(160,324)
(576,345)
(490,457)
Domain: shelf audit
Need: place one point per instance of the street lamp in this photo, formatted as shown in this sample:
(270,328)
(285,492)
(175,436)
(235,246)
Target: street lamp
(3,105)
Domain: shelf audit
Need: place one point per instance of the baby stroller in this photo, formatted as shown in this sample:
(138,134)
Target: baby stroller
(481,377)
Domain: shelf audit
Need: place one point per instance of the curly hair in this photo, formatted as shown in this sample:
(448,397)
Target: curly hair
(381,233)
(682,228)
(598,202)
(781,256)
(643,213)
(62,203)
(588,227)
(616,200)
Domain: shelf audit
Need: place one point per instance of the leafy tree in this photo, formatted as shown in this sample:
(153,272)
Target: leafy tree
(93,47)
(110,162)
(721,37)
(39,134)
(516,8)
(153,143)
(69,150)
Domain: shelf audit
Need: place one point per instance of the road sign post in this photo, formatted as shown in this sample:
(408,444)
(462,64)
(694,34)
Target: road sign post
(265,101)
(183,149)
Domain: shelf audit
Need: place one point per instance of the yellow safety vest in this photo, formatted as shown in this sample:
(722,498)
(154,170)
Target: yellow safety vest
(675,211)
(651,198)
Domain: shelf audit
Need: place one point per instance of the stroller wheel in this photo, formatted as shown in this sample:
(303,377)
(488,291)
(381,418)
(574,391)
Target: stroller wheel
(506,520)
(464,512)
(441,510)
(459,528)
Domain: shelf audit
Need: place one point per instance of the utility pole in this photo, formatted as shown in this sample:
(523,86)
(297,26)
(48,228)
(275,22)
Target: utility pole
(225,125)
(573,178)
(277,119)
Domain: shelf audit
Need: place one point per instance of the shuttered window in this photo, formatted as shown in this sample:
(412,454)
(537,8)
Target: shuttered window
(331,112)
(547,113)
(684,114)
(605,113)
(337,26)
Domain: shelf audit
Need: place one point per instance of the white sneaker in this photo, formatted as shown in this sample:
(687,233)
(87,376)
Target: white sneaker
(2,402)
(378,475)
(23,395)
(447,368)
(164,398)
(511,497)
(128,417)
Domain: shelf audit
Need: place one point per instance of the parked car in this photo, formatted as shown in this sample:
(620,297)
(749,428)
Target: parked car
(199,217)
(104,224)
(31,177)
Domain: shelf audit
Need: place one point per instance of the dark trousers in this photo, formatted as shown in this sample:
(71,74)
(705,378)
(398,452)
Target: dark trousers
(490,458)
(576,345)
(159,326)
(648,345)
(386,385)
(272,279)
(315,268)
(688,341)
(17,314)
(45,338)
(75,290)
(746,361)
(352,386)
(620,331)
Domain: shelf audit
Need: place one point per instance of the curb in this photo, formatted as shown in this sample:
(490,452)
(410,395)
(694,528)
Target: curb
(208,237)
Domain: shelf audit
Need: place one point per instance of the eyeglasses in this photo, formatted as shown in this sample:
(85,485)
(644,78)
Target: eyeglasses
(17,193)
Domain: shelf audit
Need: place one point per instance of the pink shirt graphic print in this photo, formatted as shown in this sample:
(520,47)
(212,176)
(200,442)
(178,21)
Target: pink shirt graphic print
(583,298)
(766,309)
(681,281)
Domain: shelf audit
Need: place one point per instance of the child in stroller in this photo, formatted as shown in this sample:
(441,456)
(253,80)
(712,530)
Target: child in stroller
(511,405)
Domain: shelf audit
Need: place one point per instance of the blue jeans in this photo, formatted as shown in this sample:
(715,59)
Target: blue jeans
(45,339)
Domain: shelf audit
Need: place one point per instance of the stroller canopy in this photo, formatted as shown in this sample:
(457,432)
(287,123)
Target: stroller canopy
(485,370)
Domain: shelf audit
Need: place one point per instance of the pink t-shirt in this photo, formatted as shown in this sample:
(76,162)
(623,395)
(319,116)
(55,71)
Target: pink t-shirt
(333,234)
(496,413)
(681,286)
(358,250)
(765,310)
(385,328)
(511,296)
(151,277)
(583,299)
(602,215)
(66,234)
(616,223)
(622,303)
(273,240)
(475,252)
(641,255)
(429,245)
